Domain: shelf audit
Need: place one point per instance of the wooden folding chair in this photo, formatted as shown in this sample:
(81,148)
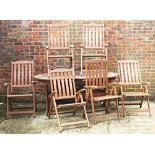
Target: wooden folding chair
(59,47)
(97,79)
(93,46)
(132,85)
(63,89)
(21,86)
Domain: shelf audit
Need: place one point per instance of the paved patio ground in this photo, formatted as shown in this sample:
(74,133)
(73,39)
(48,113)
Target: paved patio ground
(133,123)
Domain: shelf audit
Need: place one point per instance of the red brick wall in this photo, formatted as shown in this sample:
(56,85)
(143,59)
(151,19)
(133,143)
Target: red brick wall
(26,40)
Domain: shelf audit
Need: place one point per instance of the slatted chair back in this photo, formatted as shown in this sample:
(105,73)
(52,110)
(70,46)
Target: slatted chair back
(129,72)
(62,82)
(58,36)
(21,73)
(93,41)
(96,72)
(93,35)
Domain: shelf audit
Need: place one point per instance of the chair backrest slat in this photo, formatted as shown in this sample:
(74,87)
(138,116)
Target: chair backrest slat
(93,35)
(129,71)
(58,36)
(21,73)
(96,72)
(62,81)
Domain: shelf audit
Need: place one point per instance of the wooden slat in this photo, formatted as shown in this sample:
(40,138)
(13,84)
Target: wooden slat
(19,112)
(92,73)
(30,65)
(60,56)
(74,123)
(97,74)
(129,72)
(70,83)
(54,84)
(69,105)
(66,84)
(63,87)
(26,80)
(100,75)
(132,73)
(93,36)
(96,45)
(14,74)
(59,35)
(89,36)
(62,81)
(100,37)
(58,78)
(18,74)
(22,74)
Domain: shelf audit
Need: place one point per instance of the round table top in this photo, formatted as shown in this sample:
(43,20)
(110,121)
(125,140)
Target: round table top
(45,77)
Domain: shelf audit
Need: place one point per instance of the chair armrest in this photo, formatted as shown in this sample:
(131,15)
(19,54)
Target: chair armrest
(34,82)
(8,88)
(82,46)
(6,84)
(79,95)
(146,83)
(71,46)
(53,93)
(94,87)
(113,84)
(80,91)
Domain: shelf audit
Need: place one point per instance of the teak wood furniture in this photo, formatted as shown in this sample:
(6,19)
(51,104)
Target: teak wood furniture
(63,88)
(44,80)
(59,46)
(93,46)
(21,84)
(130,76)
(97,79)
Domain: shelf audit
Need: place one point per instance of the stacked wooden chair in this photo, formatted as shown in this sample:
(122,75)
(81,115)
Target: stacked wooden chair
(59,47)
(93,45)
(132,86)
(21,86)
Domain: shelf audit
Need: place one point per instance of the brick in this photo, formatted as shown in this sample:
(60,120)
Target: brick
(127,40)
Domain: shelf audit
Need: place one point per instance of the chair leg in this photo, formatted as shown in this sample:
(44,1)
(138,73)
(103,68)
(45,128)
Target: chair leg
(123,110)
(34,105)
(141,102)
(50,109)
(74,112)
(107,104)
(148,103)
(86,116)
(10,104)
(117,110)
(7,108)
(92,104)
(58,120)
(87,100)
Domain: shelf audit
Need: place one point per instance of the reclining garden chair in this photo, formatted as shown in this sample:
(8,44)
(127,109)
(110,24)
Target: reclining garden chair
(62,92)
(21,86)
(97,79)
(130,78)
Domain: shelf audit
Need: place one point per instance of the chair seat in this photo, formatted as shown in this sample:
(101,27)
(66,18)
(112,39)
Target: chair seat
(106,97)
(20,95)
(70,105)
(135,94)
